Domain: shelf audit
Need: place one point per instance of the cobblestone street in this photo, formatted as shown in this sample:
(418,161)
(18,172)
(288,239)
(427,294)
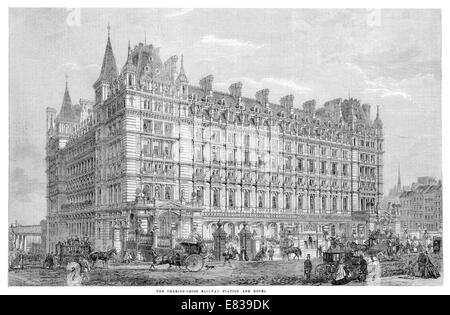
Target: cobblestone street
(239,273)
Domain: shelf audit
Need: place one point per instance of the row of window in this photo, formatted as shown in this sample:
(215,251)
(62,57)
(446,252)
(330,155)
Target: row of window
(81,167)
(157,148)
(112,194)
(158,128)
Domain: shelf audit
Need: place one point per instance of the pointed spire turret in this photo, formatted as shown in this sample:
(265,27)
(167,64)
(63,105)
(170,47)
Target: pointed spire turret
(377,120)
(66,113)
(108,73)
(182,78)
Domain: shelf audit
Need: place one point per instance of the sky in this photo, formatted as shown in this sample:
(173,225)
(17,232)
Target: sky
(387,58)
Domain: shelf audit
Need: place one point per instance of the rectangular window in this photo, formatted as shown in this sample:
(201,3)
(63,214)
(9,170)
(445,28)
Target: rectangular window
(334,169)
(323,167)
(246,157)
(156,148)
(247,140)
(311,166)
(198,133)
(345,169)
(158,127)
(300,165)
(168,128)
(148,126)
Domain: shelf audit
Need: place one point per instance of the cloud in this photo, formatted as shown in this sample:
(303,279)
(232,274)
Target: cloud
(22,186)
(396,93)
(228,42)
(72,66)
(268,82)
(179,12)
(385,92)
(289,84)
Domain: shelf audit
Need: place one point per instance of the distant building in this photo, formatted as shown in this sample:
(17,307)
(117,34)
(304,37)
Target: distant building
(396,191)
(28,238)
(421,208)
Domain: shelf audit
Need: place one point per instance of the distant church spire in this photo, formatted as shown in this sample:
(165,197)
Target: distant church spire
(399,181)
(182,78)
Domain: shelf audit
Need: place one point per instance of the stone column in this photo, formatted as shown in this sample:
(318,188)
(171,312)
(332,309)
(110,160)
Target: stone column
(245,239)
(155,231)
(220,239)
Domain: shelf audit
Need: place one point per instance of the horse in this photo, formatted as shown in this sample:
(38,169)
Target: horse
(172,259)
(104,257)
(49,262)
(292,250)
(261,255)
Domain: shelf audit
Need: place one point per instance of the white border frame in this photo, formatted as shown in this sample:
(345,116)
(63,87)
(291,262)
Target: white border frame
(271,290)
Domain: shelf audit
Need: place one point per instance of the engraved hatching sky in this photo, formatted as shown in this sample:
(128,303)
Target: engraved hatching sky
(390,58)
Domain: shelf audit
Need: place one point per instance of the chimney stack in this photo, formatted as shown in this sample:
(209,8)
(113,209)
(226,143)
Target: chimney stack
(236,90)
(206,83)
(262,97)
(287,101)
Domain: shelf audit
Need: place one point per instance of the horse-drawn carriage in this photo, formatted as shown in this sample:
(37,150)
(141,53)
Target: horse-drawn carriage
(191,257)
(70,252)
(190,254)
(357,270)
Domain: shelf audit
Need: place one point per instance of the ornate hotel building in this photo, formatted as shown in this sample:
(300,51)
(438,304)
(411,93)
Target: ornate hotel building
(156,155)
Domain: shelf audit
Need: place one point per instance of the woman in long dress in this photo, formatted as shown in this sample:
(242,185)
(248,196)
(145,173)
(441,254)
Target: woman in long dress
(74,278)
(341,276)
(430,270)
(374,268)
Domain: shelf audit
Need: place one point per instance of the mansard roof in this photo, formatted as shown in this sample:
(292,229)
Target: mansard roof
(146,62)
(335,111)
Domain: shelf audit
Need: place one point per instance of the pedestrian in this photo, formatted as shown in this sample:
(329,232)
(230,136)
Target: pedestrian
(362,269)
(422,261)
(271,252)
(244,255)
(341,276)
(410,269)
(430,270)
(374,269)
(320,250)
(228,255)
(74,277)
(307,266)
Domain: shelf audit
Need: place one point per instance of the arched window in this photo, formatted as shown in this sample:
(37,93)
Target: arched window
(288,201)
(300,202)
(246,198)
(312,201)
(216,198)
(157,193)
(274,201)
(231,198)
(334,204)
(260,200)
(168,193)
